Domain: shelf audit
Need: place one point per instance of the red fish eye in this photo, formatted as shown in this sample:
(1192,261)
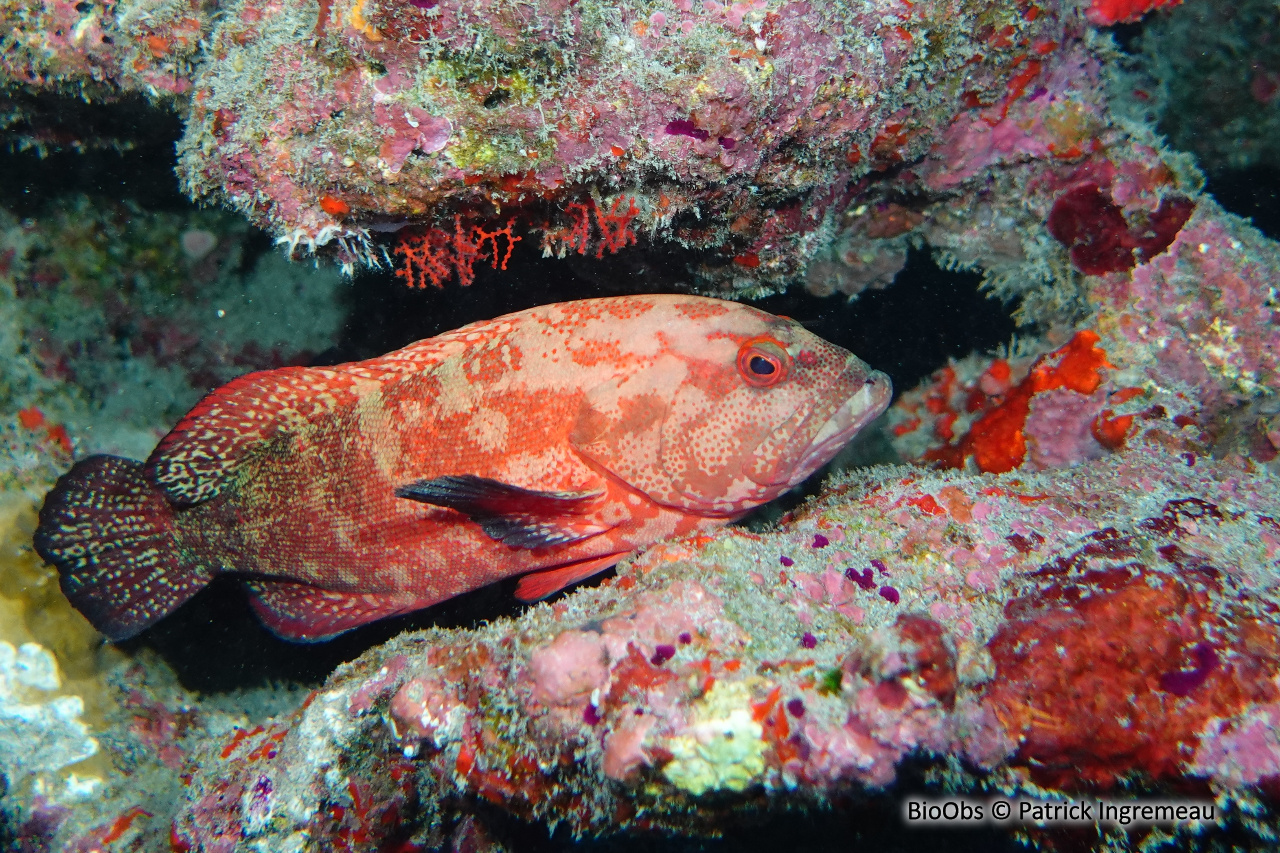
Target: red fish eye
(762,362)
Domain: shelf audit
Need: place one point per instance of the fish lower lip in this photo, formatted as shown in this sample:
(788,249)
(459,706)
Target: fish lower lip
(847,421)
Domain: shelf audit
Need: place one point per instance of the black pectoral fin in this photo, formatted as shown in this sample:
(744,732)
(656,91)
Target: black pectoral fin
(474,495)
(522,518)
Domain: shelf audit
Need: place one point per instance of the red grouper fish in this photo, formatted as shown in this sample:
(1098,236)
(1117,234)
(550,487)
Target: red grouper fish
(549,443)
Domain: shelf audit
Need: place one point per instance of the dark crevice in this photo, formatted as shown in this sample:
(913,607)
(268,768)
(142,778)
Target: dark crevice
(911,328)
(1252,193)
(251,656)
(124,150)
(907,330)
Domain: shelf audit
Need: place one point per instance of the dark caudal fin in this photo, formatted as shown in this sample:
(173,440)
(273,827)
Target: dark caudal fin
(110,534)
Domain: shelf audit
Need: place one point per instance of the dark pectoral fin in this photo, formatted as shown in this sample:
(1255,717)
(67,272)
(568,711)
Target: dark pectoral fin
(522,518)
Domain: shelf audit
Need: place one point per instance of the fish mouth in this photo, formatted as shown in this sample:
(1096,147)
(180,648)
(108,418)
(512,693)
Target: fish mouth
(846,422)
(831,430)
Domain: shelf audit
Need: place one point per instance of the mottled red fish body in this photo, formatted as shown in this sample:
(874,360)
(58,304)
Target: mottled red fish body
(550,443)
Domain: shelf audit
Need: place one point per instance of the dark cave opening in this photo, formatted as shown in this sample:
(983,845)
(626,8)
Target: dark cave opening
(907,330)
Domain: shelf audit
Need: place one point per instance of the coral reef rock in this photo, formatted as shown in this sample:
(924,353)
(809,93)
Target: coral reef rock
(906,613)
(760,138)
(40,731)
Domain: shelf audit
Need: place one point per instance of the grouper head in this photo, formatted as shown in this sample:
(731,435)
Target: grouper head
(732,406)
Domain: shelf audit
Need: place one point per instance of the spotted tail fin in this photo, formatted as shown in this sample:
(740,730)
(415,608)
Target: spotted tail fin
(110,534)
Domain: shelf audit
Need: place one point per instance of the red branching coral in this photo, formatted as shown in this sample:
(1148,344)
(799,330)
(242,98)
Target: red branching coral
(1099,238)
(578,236)
(1107,12)
(614,227)
(433,256)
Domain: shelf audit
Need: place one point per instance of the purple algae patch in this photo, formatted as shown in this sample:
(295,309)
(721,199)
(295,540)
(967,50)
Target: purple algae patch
(1182,682)
(423,4)
(662,653)
(591,715)
(889,594)
(880,567)
(795,708)
(40,828)
(864,578)
(260,799)
(727,143)
(820,541)
(684,127)
(786,561)
(808,640)
(685,638)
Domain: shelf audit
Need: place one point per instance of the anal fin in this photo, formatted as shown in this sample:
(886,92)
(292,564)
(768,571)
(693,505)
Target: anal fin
(519,517)
(308,614)
(536,586)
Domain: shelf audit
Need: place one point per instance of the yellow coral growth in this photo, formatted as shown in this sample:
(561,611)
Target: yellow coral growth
(723,747)
(33,610)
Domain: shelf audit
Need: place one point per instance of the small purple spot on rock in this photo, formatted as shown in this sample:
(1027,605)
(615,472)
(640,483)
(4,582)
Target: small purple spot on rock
(808,640)
(423,4)
(662,653)
(864,578)
(591,715)
(881,567)
(795,708)
(786,561)
(820,541)
(889,594)
(1182,682)
(684,127)
(685,638)
(727,143)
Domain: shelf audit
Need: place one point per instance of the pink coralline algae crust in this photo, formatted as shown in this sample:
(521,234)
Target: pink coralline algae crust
(1191,334)
(738,127)
(783,141)
(101,49)
(1043,159)
(1203,315)
(1076,630)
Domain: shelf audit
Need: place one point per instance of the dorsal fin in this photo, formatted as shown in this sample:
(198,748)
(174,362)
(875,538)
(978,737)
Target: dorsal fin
(200,455)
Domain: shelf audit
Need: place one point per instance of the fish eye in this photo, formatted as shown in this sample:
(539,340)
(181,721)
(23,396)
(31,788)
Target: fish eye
(762,362)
